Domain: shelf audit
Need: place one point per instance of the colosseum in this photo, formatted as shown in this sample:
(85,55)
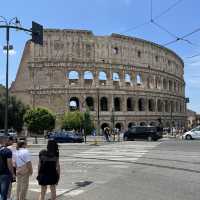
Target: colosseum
(122,80)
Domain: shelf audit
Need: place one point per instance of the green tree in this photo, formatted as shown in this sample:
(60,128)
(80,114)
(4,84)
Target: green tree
(87,123)
(77,120)
(72,120)
(16,111)
(38,120)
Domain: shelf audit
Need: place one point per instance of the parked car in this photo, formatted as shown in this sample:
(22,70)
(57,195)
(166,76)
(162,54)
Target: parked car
(192,134)
(11,132)
(143,132)
(65,136)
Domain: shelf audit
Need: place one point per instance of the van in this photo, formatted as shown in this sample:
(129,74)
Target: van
(151,133)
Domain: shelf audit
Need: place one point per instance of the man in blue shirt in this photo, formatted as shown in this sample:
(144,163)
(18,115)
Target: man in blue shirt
(6,168)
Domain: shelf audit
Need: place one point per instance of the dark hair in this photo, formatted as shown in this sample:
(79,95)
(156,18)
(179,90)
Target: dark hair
(20,144)
(52,148)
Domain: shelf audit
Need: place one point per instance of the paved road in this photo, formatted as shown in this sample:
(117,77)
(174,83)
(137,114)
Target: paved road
(140,170)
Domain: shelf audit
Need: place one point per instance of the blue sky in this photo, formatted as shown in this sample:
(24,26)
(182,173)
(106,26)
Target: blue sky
(104,17)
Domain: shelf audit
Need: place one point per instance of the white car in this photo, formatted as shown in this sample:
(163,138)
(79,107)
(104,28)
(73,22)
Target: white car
(192,134)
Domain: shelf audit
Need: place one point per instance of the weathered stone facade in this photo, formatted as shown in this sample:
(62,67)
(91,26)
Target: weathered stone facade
(134,80)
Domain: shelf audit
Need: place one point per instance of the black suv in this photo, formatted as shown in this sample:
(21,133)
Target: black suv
(143,132)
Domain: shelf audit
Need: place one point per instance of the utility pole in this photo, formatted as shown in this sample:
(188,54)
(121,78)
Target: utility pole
(98,117)
(37,37)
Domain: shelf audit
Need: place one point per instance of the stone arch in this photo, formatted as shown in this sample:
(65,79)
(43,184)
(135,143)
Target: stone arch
(143,124)
(130,124)
(119,126)
(167,107)
(151,105)
(88,75)
(157,82)
(104,104)
(115,76)
(104,125)
(170,85)
(141,104)
(164,84)
(127,78)
(172,106)
(159,105)
(177,107)
(153,123)
(139,80)
(73,75)
(130,104)
(102,78)
(117,104)
(74,104)
(90,103)
(151,82)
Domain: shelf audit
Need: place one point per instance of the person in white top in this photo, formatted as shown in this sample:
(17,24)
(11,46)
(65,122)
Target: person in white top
(24,169)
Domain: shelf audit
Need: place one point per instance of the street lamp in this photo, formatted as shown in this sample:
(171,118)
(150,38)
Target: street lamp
(37,37)
(98,110)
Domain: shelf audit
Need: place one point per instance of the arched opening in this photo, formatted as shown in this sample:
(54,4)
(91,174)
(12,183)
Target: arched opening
(102,78)
(170,85)
(90,103)
(74,104)
(104,125)
(151,82)
(159,106)
(127,79)
(143,123)
(115,76)
(172,106)
(151,105)
(118,126)
(166,106)
(131,124)
(141,104)
(152,123)
(138,79)
(104,104)
(73,77)
(88,77)
(117,106)
(130,106)
(164,84)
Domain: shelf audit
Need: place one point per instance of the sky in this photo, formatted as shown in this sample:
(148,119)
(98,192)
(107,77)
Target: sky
(174,19)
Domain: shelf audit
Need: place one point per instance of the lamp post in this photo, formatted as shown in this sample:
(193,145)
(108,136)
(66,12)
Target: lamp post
(98,116)
(37,37)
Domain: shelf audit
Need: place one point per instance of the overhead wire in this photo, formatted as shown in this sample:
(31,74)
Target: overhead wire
(183,38)
(152,18)
(168,9)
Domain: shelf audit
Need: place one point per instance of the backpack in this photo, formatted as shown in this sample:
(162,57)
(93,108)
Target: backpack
(3,165)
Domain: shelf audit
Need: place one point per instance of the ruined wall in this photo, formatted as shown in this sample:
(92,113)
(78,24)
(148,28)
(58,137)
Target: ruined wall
(139,81)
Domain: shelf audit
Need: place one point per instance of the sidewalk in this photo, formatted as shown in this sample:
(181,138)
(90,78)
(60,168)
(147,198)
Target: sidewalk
(90,140)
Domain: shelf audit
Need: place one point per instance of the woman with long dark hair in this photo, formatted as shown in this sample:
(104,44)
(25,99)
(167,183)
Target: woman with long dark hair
(49,169)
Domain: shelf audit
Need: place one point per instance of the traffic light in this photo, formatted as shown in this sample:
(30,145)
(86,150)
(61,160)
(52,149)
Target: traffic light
(37,33)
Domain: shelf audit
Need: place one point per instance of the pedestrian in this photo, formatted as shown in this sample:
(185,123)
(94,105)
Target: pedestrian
(49,169)
(23,169)
(107,134)
(6,168)
(12,147)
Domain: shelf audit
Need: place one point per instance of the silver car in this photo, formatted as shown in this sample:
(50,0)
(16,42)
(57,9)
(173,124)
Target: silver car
(192,134)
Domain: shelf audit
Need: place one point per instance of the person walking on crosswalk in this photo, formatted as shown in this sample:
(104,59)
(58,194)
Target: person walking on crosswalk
(49,169)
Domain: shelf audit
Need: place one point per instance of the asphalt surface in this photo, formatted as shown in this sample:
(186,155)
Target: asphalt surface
(140,170)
